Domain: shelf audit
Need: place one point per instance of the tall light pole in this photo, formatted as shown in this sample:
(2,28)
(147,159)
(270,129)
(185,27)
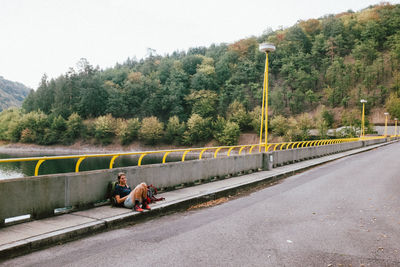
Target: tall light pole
(386,119)
(362,134)
(265,48)
(395,127)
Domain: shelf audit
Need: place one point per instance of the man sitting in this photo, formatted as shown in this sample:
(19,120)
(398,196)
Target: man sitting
(128,198)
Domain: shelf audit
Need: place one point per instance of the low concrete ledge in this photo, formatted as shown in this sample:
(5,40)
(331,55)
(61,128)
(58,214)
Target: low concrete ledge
(40,196)
(283,157)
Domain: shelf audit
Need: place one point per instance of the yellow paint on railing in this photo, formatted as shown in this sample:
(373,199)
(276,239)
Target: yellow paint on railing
(201,153)
(112,161)
(184,155)
(78,163)
(275,147)
(251,148)
(140,159)
(299,144)
(216,151)
(165,156)
(38,165)
(240,150)
(230,149)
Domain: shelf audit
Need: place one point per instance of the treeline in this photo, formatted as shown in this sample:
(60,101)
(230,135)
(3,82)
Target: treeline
(332,61)
(38,127)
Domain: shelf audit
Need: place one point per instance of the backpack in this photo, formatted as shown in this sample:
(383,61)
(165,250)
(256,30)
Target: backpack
(110,193)
(151,192)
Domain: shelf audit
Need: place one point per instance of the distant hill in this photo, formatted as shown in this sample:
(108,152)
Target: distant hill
(11,93)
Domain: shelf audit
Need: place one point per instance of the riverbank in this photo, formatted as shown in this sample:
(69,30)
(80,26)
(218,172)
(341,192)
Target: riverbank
(81,147)
(78,148)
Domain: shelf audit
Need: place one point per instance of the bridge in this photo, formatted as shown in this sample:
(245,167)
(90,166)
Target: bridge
(344,213)
(59,191)
(52,192)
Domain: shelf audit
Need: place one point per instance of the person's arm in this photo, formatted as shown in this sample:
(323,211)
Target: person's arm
(120,199)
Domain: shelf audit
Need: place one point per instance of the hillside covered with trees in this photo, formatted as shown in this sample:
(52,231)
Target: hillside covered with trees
(191,97)
(12,94)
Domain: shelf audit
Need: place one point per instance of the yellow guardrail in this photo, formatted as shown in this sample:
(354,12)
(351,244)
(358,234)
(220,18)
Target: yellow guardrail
(185,151)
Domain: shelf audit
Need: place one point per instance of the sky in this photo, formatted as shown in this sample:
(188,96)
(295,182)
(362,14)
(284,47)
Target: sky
(50,36)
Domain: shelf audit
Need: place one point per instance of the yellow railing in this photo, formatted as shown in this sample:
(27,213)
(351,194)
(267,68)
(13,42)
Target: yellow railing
(185,151)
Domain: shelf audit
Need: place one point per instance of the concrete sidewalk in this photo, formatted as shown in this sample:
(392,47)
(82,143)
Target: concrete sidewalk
(33,235)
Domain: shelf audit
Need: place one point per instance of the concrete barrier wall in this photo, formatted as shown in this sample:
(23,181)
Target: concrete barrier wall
(283,157)
(40,196)
(377,141)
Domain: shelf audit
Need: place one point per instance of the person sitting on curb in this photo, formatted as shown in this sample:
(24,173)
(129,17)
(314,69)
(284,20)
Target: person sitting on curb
(125,196)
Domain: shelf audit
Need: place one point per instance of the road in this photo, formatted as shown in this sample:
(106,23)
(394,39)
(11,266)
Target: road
(344,213)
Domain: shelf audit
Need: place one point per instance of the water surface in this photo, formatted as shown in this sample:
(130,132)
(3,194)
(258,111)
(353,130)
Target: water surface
(27,168)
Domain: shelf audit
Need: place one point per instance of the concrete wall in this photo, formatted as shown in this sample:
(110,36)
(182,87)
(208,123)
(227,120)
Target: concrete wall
(40,196)
(283,157)
(378,141)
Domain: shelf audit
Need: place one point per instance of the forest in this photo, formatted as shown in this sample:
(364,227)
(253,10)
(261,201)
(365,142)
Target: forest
(319,72)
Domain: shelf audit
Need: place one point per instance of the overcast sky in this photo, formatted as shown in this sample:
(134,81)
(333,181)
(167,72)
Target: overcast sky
(50,36)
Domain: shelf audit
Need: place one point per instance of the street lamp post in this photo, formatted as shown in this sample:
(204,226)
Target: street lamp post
(395,127)
(265,48)
(386,119)
(362,134)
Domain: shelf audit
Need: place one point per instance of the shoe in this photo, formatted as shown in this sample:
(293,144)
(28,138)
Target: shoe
(137,208)
(146,206)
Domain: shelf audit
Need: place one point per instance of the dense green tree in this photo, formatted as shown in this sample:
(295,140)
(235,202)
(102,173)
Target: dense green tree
(190,63)
(151,130)
(393,106)
(8,117)
(198,129)
(174,131)
(203,102)
(128,130)
(104,129)
(237,113)
(279,125)
(74,127)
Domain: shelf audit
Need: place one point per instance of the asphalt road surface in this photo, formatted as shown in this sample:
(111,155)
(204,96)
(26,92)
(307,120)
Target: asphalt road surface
(344,213)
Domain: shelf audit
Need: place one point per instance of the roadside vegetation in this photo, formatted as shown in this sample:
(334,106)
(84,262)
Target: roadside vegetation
(318,74)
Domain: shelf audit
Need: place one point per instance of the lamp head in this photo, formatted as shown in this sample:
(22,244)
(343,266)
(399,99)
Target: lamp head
(265,47)
(395,119)
(363,101)
(386,113)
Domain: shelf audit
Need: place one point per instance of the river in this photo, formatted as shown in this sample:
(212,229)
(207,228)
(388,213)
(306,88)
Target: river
(27,168)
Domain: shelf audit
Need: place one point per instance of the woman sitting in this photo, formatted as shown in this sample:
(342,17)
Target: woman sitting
(128,198)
